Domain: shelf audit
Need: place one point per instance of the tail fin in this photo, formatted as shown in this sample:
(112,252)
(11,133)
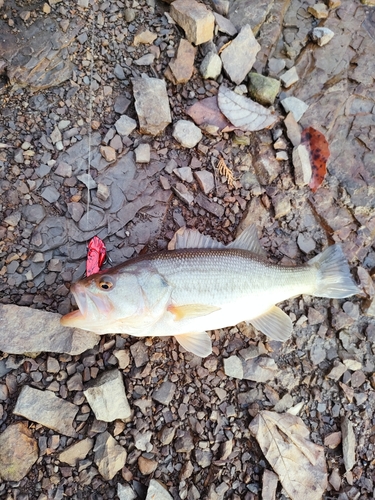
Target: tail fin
(335,280)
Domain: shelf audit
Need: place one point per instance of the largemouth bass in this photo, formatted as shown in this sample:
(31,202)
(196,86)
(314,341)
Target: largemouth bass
(204,285)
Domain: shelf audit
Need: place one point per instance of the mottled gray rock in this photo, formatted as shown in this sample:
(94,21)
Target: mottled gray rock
(348,443)
(151,105)
(289,77)
(205,180)
(94,219)
(302,165)
(35,56)
(29,330)
(107,398)
(225,25)
(119,73)
(295,106)
(76,452)
(126,492)
(233,367)
(187,133)
(239,57)
(252,12)
(266,167)
(203,457)
(211,206)
(51,194)
(47,409)
(260,369)
(195,19)
(211,66)
(139,352)
(142,440)
(87,180)
(109,456)
(263,89)
(121,104)
(184,442)
(64,169)
(156,491)
(184,173)
(306,243)
(181,68)
(183,193)
(165,393)
(337,371)
(125,125)
(18,452)
(145,60)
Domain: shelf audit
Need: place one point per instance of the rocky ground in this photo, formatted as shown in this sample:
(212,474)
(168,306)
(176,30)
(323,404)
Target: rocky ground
(83,416)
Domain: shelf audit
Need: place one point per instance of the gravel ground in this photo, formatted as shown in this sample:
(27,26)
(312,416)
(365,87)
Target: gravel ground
(189,419)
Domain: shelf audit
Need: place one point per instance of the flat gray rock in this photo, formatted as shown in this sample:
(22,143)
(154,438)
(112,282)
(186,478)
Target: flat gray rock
(107,398)
(109,456)
(125,125)
(252,12)
(156,491)
(47,409)
(30,330)
(239,57)
(18,452)
(151,105)
(187,133)
(165,393)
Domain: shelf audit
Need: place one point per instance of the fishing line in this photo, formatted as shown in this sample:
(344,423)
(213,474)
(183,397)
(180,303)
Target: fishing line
(90,117)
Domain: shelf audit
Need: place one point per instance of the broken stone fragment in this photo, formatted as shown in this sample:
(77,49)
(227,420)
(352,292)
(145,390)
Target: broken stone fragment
(195,19)
(293,130)
(239,57)
(319,10)
(46,409)
(289,77)
(322,36)
(77,451)
(186,133)
(109,456)
(151,104)
(263,89)
(211,66)
(125,125)
(30,330)
(281,205)
(348,443)
(156,491)
(233,367)
(302,165)
(143,153)
(252,12)
(108,153)
(295,106)
(205,180)
(144,36)
(180,70)
(18,452)
(106,396)
(225,25)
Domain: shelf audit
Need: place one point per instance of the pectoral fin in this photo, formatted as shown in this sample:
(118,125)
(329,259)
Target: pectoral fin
(189,311)
(274,323)
(198,343)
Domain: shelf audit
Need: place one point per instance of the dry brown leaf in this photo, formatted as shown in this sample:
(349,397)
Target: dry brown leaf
(243,112)
(299,463)
(206,112)
(226,171)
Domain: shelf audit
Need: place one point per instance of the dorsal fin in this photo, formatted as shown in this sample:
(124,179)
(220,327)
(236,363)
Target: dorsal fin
(191,238)
(248,240)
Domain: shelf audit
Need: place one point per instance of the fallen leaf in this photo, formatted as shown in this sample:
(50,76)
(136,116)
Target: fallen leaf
(95,255)
(299,463)
(243,112)
(318,149)
(206,112)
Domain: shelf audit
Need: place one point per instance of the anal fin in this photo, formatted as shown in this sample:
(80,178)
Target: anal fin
(190,311)
(198,343)
(274,323)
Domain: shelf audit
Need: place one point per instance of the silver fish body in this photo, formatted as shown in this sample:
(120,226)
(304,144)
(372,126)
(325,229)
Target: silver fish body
(204,286)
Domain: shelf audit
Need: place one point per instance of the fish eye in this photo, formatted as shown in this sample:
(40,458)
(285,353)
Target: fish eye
(106,283)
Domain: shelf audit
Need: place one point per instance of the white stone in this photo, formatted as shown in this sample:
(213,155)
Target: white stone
(143,153)
(211,66)
(233,367)
(302,165)
(295,106)
(186,133)
(156,491)
(125,125)
(322,36)
(126,492)
(107,398)
(289,77)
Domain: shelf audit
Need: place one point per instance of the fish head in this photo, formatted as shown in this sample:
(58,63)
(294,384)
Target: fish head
(104,299)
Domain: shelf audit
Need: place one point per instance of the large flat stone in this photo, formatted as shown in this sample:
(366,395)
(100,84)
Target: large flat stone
(151,105)
(18,452)
(30,330)
(46,409)
(239,57)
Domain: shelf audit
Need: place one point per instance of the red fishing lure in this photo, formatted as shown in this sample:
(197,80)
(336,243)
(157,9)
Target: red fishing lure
(95,255)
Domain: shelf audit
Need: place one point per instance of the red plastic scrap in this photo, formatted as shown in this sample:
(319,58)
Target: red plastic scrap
(95,255)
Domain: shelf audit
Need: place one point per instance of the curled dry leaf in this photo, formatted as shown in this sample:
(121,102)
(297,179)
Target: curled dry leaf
(206,112)
(299,463)
(318,149)
(243,112)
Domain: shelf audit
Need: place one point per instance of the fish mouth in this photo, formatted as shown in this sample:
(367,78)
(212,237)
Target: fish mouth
(91,308)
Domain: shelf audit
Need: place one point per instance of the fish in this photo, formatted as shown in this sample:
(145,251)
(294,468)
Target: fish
(202,285)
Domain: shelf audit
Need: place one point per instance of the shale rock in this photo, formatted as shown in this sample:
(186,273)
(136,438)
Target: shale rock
(109,456)
(18,452)
(29,330)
